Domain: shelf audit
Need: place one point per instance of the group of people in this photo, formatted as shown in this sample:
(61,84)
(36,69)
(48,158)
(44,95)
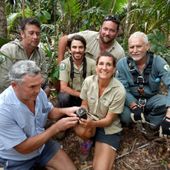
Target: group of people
(114,89)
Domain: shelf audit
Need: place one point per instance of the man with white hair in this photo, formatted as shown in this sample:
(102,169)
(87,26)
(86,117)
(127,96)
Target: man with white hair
(141,73)
(24,109)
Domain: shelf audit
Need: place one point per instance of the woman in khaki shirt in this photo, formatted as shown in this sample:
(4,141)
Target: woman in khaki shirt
(103,96)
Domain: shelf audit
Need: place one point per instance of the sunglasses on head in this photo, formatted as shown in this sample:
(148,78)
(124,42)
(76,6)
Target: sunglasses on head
(112,18)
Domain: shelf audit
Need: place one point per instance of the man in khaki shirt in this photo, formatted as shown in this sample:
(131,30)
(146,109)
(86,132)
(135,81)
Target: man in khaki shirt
(24,49)
(97,42)
(73,71)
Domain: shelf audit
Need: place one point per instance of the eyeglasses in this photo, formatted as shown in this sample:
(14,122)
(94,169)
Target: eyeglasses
(112,18)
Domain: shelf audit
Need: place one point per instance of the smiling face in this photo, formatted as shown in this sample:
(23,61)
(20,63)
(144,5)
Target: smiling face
(30,36)
(138,48)
(77,50)
(28,88)
(108,32)
(105,67)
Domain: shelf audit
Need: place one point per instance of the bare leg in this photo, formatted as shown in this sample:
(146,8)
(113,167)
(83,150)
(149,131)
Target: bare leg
(104,157)
(60,161)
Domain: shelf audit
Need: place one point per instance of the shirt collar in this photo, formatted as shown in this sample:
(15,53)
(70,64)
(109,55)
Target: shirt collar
(113,83)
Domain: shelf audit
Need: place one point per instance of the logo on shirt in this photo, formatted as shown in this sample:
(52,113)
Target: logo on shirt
(62,66)
(2,58)
(166,67)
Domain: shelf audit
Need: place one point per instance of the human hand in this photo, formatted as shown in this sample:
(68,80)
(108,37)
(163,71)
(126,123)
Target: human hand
(66,123)
(164,130)
(86,122)
(137,115)
(70,111)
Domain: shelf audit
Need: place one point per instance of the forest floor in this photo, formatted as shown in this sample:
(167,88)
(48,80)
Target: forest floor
(137,152)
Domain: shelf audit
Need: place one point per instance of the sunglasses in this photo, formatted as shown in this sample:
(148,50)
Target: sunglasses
(112,18)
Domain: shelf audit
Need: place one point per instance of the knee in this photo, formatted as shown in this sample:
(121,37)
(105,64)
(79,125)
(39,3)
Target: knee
(155,119)
(126,121)
(125,117)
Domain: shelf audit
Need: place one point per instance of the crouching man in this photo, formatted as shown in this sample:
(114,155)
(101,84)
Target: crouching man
(24,109)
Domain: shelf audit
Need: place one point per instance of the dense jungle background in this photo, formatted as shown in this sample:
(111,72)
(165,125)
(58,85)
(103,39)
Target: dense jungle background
(59,17)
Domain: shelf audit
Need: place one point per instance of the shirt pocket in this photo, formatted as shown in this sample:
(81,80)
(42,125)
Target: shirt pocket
(92,104)
(104,106)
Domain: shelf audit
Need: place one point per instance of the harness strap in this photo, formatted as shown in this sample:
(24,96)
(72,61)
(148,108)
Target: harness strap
(84,67)
(72,68)
(139,79)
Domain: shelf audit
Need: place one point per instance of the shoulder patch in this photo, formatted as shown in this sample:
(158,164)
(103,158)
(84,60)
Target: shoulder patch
(117,72)
(62,66)
(166,67)
(2,58)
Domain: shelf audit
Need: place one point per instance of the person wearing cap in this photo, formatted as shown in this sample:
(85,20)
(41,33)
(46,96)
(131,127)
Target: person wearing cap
(97,42)
(141,73)
(73,71)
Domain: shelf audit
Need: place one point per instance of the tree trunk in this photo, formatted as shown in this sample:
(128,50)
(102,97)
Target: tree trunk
(3,21)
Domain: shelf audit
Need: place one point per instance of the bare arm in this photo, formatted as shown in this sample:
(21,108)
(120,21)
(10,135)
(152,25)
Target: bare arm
(65,88)
(104,122)
(35,142)
(99,123)
(84,104)
(62,44)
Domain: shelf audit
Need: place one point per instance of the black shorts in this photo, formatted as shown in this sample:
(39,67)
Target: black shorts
(113,140)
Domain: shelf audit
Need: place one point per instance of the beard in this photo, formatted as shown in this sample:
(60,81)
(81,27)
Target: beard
(138,57)
(106,40)
(78,58)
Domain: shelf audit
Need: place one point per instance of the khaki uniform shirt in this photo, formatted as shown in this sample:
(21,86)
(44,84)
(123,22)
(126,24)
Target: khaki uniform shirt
(92,47)
(76,83)
(14,52)
(111,101)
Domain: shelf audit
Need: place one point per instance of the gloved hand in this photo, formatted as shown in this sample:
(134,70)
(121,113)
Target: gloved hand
(164,130)
(137,114)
